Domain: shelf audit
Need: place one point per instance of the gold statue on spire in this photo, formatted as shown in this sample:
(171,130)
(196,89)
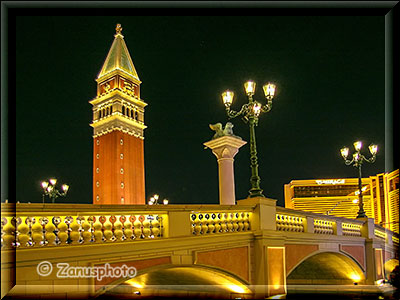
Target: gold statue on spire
(118,29)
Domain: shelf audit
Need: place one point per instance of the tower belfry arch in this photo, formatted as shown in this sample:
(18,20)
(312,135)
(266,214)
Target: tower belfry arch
(118,130)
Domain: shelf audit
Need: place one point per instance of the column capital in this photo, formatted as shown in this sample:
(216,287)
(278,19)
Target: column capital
(225,146)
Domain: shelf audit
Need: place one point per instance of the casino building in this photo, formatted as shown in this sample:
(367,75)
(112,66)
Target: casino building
(339,197)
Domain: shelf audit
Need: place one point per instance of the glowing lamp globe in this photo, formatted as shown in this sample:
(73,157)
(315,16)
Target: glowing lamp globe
(269,90)
(227,98)
(250,87)
(373,149)
(358,145)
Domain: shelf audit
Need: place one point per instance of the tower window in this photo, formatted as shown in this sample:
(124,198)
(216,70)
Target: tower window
(97,170)
(121,141)
(122,200)
(121,156)
(123,110)
(108,111)
(98,142)
(97,156)
(136,115)
(131,113)
(99,114)
(111,109)
(122,185)
(122,170)
(127,112)
(97,198)
(97,184)
(104,112)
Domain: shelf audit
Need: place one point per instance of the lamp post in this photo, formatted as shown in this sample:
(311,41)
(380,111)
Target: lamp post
(154,200)
(357,162)
(250,113)
(49,189)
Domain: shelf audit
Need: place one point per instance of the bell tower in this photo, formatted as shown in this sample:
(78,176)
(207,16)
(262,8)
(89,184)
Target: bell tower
(118,130)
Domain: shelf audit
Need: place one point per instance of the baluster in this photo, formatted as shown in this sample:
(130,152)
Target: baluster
(128,232)
(23,230)
(98,229)
(107,230)
(112,220)
(217,223)
(146,227)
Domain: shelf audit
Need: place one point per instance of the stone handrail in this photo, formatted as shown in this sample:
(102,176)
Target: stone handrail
(50,225)
(300,221)
(219,222)
(37,225)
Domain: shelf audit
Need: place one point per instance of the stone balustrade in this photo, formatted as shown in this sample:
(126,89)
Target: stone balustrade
(379,233)
(61,230)
(351,229)
(219,222)
(323,226)
(290,223)
(51,225)
(300,221)
(55,225)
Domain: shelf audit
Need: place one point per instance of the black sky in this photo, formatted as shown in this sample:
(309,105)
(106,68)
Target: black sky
(329,71)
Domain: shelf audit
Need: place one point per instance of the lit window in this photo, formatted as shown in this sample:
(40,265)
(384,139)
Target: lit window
(122,185)
(98,142)
(97,184)
(121,141)
(122,199)
(97,156)
(122,171)
(97,170)
(97,198)
(122,156)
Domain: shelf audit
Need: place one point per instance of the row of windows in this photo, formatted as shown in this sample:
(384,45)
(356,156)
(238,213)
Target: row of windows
(105,112)
(130,113)
(335,190)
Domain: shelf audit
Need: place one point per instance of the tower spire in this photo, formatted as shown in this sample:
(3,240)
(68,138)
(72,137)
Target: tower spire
(118,59)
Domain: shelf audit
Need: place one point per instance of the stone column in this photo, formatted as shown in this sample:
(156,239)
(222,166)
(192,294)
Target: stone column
(225,149)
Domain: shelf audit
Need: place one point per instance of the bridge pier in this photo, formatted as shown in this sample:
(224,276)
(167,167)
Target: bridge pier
(269,249)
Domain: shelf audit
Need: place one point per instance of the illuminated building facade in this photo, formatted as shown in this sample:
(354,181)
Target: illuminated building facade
(339,197)
(118,125)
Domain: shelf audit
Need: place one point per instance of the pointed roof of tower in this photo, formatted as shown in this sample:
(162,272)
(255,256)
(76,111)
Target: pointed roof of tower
(118,57)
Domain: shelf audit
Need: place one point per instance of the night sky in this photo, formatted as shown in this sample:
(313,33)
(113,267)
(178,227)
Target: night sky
(329,72)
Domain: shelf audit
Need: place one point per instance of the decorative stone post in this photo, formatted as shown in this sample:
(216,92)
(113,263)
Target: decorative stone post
(225,145)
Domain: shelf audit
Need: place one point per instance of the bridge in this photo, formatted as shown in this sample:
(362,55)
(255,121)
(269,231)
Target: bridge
(254,249)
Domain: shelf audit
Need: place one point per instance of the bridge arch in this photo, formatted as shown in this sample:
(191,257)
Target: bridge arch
(172,278)
(326,267)
(389,265)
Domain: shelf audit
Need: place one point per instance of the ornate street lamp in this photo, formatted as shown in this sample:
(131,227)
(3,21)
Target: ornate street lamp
(357,162)
(250,113)
(49,189)
(154,200)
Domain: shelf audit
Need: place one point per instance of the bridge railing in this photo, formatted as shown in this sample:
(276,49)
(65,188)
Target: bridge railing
(51,225)
(56,225)
(299,221)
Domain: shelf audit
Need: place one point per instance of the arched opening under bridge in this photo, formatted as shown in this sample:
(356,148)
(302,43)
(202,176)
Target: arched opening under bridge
(326,268)
(192,281)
